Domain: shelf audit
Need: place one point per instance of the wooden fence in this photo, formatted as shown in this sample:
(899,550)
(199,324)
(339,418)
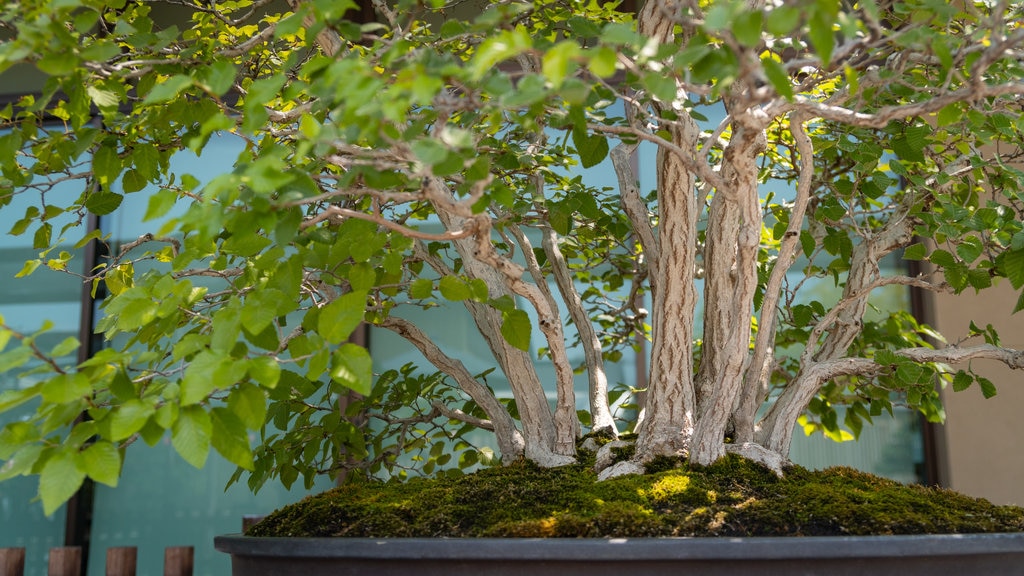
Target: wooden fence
(67,561)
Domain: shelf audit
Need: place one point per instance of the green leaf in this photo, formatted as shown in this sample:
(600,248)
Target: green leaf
(914,252)
(454,288)
(603,61)
(341,317)
(352,367)
(65,388)
(191,434)
(218,77)
(13,398)
(910,145)
(558,61)
(60,478)
(102,98)
(229,438)
(592,148)
(746,27)
(988,389)
(783,19)
(107,166)
(1013,266)
(249,403)
(362,276)
(28,268)
(777,76)
(517,329)
(429,151)
(962,381)
(821,35)
(421,288)
(103,203)
(102,462)
(209,371)
(260,309)
(661,86)
(265,370)
(129,418)
(942,258)
(168,90)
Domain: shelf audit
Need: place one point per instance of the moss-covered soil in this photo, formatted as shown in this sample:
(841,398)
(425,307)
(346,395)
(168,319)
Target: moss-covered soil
(733,497)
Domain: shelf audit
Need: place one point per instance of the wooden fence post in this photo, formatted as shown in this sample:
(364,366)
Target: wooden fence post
(12,562)
(178,560)
(65,561)
(121,560)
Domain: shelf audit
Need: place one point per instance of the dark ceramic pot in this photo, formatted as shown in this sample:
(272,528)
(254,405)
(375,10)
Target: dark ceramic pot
(959,555)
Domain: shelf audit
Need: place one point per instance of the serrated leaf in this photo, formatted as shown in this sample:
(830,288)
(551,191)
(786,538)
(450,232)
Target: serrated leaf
(778,77)
(421,288)
(249,403)
(229,438)
(190,435)
(962,381)
(362,276)
(1013,266)
(102,463)
(260,309)
(65,388)
(603,61)
(60,478)
(159,204)
(454,289)
(209,371)
(558,60)
(168,90)
(746,27)
(914,252)
(265,370)
(592,148)
(218,77)
(517,329)
(102,98)
(352,367)
(661,86)
(340,318)
(129,418)
(103,203)
(988,389)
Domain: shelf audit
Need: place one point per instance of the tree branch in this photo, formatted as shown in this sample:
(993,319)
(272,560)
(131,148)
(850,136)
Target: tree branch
(510,441)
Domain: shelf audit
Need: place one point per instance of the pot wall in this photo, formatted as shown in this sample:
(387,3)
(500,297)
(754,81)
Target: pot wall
(990,554)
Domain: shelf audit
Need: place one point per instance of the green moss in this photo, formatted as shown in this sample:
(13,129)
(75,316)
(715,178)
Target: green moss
(733,497)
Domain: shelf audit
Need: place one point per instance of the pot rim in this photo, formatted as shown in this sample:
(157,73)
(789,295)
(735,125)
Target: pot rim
(625,549)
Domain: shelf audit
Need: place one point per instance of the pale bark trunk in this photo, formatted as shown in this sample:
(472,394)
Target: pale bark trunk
(755,385)
(539,427)
(843,324)
(733,240)
(669,411)
(600,413)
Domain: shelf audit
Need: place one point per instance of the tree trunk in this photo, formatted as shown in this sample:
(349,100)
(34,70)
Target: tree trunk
(670,408)
(733,240)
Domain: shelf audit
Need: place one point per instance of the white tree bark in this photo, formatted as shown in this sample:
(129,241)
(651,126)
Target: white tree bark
(600,413)
(670,408)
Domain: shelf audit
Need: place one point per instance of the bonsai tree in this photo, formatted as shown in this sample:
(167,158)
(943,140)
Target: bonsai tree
(419,155)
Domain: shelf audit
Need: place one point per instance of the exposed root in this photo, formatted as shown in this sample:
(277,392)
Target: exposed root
(620,469)
(751,451)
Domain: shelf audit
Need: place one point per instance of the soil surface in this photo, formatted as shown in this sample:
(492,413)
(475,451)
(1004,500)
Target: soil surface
(733,497)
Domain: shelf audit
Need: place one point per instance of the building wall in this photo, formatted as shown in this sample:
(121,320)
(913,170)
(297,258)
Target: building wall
(980,444)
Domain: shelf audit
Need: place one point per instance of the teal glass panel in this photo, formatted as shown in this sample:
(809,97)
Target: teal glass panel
(26,304)
(161,500)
